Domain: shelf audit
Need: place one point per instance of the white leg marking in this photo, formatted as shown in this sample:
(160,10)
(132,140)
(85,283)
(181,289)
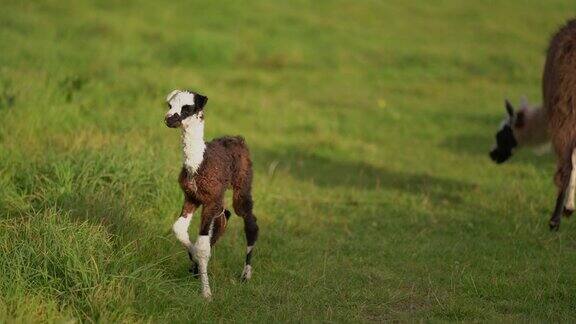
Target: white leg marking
(202,254)
(180,229)
(247,272)
(572,184)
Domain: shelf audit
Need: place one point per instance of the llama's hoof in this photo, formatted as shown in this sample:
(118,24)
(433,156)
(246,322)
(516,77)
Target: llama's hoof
(246,273)
(207,294)
(568,212)
(554,226)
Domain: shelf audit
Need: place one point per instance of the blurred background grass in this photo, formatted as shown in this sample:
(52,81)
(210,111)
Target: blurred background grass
(369,124)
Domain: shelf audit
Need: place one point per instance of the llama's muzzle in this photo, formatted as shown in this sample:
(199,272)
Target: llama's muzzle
(505,143)
(499,155)
(173,121)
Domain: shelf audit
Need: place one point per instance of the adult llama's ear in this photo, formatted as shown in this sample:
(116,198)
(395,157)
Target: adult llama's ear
(509,108)
(200,101)
(524,102)
(520,119)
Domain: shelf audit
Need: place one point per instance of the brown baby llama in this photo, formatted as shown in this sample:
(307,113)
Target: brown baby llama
(209,169)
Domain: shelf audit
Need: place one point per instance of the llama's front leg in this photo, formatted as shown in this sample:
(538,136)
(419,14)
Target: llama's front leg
(202,256)
(202,246)
(180,227)
(563,179)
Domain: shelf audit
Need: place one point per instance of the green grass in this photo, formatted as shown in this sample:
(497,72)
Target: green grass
(369,124)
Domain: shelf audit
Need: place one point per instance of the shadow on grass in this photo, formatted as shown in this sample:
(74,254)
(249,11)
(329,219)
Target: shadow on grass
(328,172)
(469,144)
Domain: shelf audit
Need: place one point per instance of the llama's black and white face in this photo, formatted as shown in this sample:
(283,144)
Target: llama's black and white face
(505,140)
(184,107)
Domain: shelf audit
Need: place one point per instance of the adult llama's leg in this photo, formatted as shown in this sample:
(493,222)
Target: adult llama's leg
(570,204)
(564,170)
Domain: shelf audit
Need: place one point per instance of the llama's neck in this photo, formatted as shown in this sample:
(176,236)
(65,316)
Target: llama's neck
(535,130)
(193,144)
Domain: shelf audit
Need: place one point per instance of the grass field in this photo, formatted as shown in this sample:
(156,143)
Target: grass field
(369,124)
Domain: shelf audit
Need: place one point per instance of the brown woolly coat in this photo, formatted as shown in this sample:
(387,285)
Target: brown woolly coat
(559,94)
(226,164)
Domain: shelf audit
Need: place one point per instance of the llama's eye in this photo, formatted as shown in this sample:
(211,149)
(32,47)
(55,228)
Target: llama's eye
(169,105)
(187,109)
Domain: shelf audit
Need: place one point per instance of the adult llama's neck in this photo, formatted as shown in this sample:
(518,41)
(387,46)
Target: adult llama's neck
(193,144)
(534,131)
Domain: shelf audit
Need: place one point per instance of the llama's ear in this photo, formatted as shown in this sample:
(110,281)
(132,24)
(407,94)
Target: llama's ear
(171,94)
(524,102)
(520,119)
(509,108)
(200,101)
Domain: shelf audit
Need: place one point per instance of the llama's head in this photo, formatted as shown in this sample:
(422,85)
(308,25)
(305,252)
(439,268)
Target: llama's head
(184,107)
(507,135)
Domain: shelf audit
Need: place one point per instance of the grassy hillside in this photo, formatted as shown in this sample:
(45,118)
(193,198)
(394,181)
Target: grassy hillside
(369,124)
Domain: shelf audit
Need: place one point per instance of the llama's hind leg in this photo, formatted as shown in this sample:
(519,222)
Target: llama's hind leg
(558,210)
(243,207)
(562,179)
(570,204)
(251,231)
